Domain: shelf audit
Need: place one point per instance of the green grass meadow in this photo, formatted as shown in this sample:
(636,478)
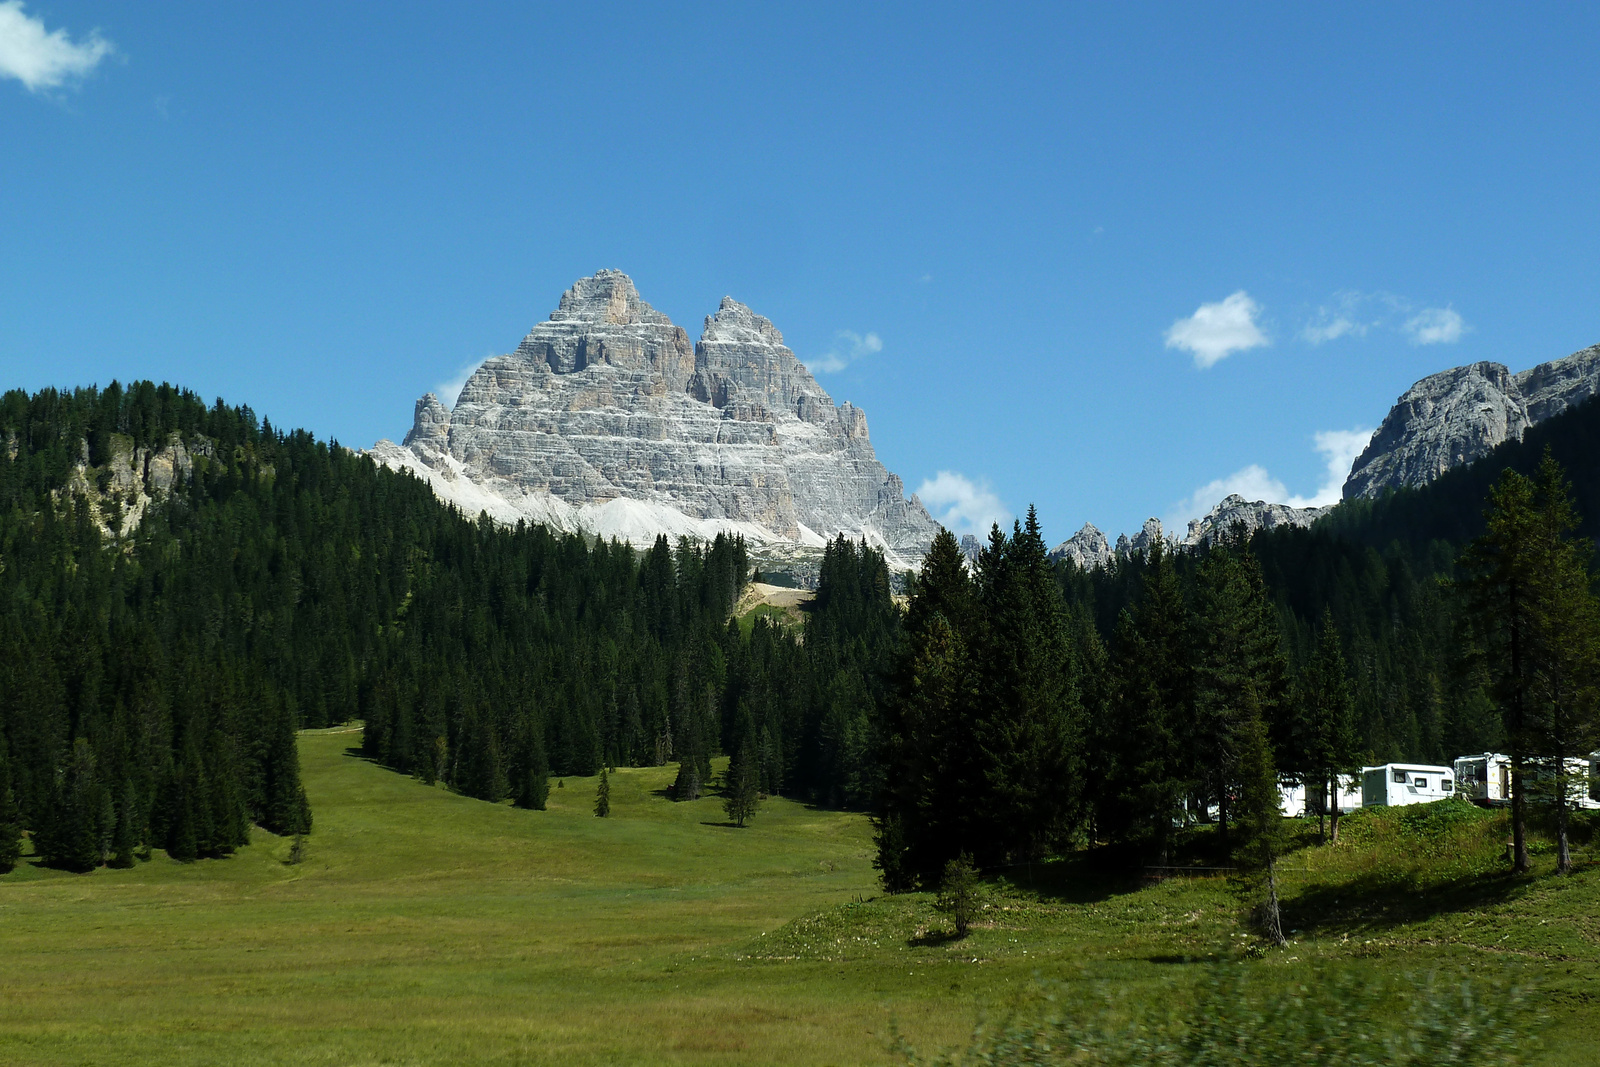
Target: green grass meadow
(427,928)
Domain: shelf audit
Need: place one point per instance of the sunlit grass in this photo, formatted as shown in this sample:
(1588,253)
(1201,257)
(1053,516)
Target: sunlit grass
(424,927)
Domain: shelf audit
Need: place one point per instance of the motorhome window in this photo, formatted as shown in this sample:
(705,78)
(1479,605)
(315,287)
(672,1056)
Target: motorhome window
(1444,784)
(1400,776)
(1422,783)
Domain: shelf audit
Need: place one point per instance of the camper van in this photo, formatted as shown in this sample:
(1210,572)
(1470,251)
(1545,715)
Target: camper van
(1394,784)
(1349,798)
(1485,780)
(1292,799)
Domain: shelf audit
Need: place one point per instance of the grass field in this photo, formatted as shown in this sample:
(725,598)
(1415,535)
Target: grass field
(423,927)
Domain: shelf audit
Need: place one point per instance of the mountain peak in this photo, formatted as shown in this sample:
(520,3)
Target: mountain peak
(605,296)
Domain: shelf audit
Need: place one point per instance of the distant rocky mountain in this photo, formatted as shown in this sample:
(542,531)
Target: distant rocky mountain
(1459,415)
(606,419)
(1253,514)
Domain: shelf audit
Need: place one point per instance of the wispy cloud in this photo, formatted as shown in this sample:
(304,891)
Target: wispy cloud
(449,391)
(1216,331)
(1353,314)
(848,346)
(1339,450)
(1435,326)
(44,60)
(962,505)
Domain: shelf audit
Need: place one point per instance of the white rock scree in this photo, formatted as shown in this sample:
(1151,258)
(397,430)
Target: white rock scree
(607,421)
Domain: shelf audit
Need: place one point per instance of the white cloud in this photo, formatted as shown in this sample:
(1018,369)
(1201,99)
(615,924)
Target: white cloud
(1435,326)
(1339,450)
(1216,331)
(1329,329)
(449,392)
(42,60)
(1252,483)
(962,505)
(848,346)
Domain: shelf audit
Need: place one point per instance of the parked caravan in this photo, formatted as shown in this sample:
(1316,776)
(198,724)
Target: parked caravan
(1349,796)
(1292,800)
(1485,780)
(1395,784)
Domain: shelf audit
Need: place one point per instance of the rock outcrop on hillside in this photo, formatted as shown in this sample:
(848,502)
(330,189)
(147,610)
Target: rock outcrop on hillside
(606,419)
(1088,548)
(1459,415)
(1143,540)
(1253,514)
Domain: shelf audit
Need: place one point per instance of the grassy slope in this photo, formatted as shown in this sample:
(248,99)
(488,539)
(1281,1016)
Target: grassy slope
(427,928)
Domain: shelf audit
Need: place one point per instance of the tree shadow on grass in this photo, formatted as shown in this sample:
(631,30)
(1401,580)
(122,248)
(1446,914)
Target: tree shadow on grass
(1386,899)
(934,939)
(726,825)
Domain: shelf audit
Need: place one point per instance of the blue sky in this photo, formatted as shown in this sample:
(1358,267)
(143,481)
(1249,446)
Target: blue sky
(1104,260)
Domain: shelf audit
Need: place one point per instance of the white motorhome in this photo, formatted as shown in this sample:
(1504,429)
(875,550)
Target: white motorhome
(1348,798)
(1394,784)
(1485,779)
(1292,799)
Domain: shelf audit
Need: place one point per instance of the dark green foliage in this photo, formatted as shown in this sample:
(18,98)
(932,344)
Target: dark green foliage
(958,893)
(10,816)
(1326,743)
(602,795)
(741,792)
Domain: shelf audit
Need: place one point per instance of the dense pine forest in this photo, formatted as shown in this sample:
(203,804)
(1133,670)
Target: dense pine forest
(183,586)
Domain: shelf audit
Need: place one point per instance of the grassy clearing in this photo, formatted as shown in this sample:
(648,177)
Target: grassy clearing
(427,928)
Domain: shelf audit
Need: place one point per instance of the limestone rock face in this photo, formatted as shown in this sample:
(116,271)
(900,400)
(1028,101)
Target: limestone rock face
(1141,541)
(607,420)
(1088,548)
(1254,514)
(1459,415)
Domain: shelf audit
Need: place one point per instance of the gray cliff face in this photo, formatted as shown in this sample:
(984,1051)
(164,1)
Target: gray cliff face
(1253,514)
(1459,415)
(1088,548)
(1142,541)
(607,419)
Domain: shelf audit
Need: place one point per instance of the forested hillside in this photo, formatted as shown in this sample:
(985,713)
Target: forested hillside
(152,673)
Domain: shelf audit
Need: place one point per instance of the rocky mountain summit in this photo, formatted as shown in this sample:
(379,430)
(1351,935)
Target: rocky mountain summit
(607,420)
(1253,514)
(1459,415)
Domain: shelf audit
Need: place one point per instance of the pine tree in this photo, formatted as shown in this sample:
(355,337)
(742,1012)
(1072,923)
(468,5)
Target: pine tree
(741,791)
(1501,568)
(1241,675)
(958,893)
(1563,651)
(931,777)
(1029,720)
(533,791)
(1328,743)
(10,815)
(1258,819)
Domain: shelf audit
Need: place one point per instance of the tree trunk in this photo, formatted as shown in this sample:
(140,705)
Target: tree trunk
(1274,921)
(1333,793)
(1519,821)
(1563,854)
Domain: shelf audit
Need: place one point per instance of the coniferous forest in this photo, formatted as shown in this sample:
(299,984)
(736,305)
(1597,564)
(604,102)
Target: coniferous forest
(154,667)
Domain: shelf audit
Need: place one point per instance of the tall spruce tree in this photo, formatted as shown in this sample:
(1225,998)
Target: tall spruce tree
(1328,744)
(1151,703)
(741,791)
(602,795)
(1028,724)
(1563,724)
(932,780)
(1501,572)
(1258,819)
(1241,675)
(10,814)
